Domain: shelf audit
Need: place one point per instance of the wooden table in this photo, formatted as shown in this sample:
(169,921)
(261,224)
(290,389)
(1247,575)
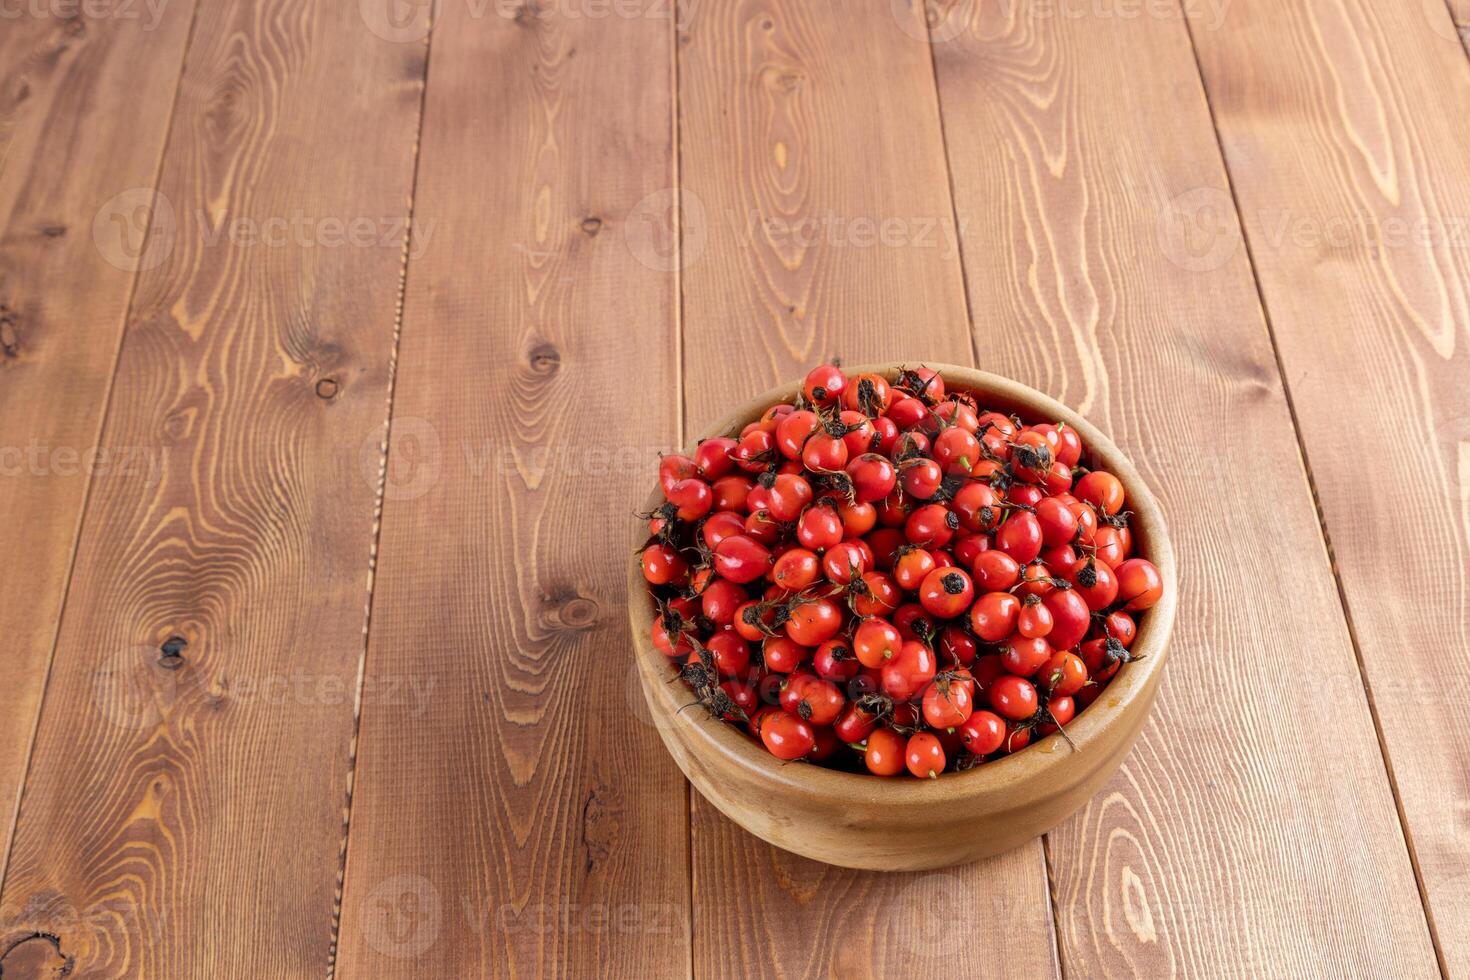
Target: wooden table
(289,692)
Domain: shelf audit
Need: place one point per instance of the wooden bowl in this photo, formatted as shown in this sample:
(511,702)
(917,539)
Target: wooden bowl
(896,824)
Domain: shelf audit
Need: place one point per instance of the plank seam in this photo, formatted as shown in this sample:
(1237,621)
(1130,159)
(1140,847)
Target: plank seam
(1462,30)
(1051,894)
(1053,913)
(377,527)
(100,432)
(677,134)
(954,211)
(1317,506)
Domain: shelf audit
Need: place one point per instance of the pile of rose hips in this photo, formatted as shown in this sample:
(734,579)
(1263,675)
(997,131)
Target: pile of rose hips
(886,570)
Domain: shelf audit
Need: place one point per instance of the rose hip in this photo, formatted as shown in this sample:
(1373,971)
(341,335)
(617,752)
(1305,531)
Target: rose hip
(884,574)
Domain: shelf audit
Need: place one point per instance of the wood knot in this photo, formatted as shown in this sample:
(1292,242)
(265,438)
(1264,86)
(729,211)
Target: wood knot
(171,653)
(53,231)
(177,424)
(327,388)
(600,825)
(591,226)
(579,613)
(222,111)
(571,612)
(36,955)
(544,359)
(9,337)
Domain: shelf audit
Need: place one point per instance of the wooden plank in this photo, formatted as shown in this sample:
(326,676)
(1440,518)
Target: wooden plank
(63,298)
(818,223)
(1358,214)
(183,814)
(523,827)
(1253,828)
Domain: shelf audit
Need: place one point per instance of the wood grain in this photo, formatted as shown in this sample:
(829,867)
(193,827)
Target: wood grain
(807,130)
(62,306)
(183,813)
(526,825)
(1253,829)
(1358,216)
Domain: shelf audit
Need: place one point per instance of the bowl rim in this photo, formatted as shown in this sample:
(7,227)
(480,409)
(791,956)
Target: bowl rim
(1030,766)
